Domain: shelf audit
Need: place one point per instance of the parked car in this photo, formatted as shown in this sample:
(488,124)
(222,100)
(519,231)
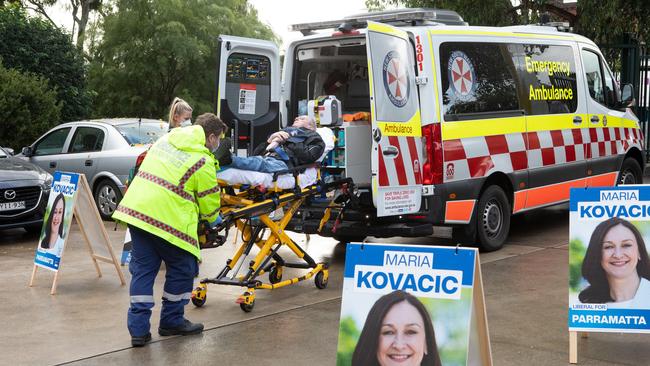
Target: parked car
(105,150)
(24,190)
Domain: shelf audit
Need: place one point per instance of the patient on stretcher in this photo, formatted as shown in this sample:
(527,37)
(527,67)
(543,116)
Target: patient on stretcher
(257,170)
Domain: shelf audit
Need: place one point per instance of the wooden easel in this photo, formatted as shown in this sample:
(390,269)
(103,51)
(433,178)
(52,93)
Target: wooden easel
(479,345)
(573,345)
(92,227)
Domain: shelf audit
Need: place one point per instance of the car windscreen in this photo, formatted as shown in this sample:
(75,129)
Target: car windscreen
(142,132)
(2,153)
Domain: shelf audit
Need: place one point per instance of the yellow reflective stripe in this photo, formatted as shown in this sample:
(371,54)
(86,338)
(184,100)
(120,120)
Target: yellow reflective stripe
(387,29)
(482,127)
(499,34)
(412,127)
(435,78)
(546,122)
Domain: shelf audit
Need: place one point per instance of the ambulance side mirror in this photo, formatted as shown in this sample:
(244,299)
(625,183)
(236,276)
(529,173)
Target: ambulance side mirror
(627,96)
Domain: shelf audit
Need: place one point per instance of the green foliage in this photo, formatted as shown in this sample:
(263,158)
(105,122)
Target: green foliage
(35,46)
(606,22)
(28,106)
(152,51)
(577,252)
(348,338)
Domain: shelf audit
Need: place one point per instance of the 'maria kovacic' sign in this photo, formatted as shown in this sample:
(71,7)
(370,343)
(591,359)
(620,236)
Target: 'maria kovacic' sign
(429,297)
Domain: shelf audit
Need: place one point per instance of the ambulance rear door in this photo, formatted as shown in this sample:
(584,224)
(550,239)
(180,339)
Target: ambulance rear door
(248,90)
(396,125)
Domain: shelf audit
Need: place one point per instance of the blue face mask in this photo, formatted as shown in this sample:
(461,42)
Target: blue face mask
(214,151)
(187,122)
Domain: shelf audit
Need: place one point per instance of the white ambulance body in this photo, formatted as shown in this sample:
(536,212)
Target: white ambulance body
(468,125)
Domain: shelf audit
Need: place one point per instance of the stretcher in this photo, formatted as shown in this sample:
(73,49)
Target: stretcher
(248,209)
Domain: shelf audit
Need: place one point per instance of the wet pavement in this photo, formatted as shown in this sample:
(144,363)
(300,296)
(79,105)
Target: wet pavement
(85,322)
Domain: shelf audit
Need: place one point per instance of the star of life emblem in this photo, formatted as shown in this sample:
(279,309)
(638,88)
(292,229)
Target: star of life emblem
(461,72)
(396,79)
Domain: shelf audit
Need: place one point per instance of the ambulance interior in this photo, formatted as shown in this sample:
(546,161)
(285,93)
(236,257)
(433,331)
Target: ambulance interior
(338,67)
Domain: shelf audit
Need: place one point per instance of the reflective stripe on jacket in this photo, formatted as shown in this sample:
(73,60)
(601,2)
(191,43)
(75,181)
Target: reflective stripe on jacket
(174,188)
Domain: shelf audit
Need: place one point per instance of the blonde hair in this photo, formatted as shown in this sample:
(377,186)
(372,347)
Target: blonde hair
(177,107)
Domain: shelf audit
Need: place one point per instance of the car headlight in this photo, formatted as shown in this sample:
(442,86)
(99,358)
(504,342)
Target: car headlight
(46,179)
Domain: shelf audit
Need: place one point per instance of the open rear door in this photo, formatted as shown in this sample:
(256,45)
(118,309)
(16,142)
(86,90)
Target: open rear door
(396,126)
(248,90)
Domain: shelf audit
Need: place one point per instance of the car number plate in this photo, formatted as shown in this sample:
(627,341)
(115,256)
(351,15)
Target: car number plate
(8,206)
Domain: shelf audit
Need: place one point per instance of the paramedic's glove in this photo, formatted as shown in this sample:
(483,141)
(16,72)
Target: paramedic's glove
(216,222)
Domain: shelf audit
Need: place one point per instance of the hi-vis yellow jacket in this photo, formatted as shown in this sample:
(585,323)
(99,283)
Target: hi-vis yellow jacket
(175,186)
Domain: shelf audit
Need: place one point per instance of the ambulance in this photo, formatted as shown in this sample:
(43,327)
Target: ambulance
(449,125)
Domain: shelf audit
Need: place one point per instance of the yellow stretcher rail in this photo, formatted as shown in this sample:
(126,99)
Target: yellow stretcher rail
(248,209)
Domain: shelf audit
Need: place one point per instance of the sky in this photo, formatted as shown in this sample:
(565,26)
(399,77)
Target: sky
(278,14)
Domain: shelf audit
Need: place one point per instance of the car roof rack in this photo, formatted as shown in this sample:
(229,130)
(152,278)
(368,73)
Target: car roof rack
(398,17)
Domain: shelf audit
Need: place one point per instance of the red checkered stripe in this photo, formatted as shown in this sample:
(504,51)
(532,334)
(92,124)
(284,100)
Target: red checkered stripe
(210,214)
(165,184)
(476,157)
(193,169)
(159,224)
(405,167)
(209,191)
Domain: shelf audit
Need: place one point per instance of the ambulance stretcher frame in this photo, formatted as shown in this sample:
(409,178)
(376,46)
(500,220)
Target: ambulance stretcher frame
(240,205)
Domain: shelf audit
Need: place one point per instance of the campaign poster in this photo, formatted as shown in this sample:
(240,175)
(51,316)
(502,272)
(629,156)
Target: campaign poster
(609,266)
(57,220)
(406,304)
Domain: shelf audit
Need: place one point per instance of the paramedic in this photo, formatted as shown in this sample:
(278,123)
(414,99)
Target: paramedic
(617,266)
(175,180)
(180,114)
(295,145)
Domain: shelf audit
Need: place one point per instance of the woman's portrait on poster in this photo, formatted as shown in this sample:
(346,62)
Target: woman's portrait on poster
(398,331)
(54,227)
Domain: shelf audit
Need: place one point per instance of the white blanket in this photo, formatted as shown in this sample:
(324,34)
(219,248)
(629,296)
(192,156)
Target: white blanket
(285,181)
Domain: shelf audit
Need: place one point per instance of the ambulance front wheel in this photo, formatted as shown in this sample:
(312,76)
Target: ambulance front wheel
(630,172)
(493,218)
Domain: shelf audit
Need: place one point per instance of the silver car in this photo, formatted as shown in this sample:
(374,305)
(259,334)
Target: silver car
(105,150)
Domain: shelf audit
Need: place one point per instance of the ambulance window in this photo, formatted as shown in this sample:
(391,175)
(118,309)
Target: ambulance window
(548,74)
(478,80)
(594,76)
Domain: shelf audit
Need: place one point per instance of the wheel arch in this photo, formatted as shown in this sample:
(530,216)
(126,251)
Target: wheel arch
(636,154)
(102,176)
(502,180)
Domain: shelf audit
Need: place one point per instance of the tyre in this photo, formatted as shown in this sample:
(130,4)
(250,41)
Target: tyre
(247,308)
(493,218)
(320,280)
(107,197)
(275,275)
(199,296)
(630,172)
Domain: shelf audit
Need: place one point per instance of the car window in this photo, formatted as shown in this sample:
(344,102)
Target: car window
(2,153)
(142,132)
(594,76)
(52,143)
(87,139)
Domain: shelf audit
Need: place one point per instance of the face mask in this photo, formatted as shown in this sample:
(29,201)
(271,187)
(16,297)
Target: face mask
(187,122)
(214,151)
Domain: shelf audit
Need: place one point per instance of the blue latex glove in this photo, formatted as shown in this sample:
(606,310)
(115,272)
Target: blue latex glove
(216,222)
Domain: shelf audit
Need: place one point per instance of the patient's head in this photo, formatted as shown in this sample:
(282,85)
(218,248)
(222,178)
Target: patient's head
(305,122)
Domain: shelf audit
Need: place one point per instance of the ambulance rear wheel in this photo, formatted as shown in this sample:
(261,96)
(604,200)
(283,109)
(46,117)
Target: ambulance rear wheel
(630,172)
(493,218)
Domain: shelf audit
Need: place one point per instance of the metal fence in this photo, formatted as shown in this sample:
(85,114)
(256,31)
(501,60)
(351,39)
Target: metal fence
(630,63)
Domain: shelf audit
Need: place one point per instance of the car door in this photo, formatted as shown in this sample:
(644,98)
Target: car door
(248,90)
(47,151)
(81,153)
(607,130)
(396,124)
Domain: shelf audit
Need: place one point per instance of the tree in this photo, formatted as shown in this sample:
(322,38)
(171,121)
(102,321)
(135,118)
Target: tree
(32,45)
(28,107)
(606,22)
(152,51)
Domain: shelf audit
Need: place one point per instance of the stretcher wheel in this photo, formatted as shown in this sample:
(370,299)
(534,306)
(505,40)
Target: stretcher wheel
(200,296)
(320,280)
(275,275)
(247,308)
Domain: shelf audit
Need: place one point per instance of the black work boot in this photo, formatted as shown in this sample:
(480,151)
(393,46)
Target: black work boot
(141,340)
(188,328)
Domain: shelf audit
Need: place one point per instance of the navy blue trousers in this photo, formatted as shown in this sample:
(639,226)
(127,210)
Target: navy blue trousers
(148,252)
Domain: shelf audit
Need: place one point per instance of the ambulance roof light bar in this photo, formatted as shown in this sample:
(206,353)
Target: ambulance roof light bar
(399,17)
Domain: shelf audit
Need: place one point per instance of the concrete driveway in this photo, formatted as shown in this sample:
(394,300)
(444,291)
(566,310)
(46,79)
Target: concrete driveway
(85,323)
